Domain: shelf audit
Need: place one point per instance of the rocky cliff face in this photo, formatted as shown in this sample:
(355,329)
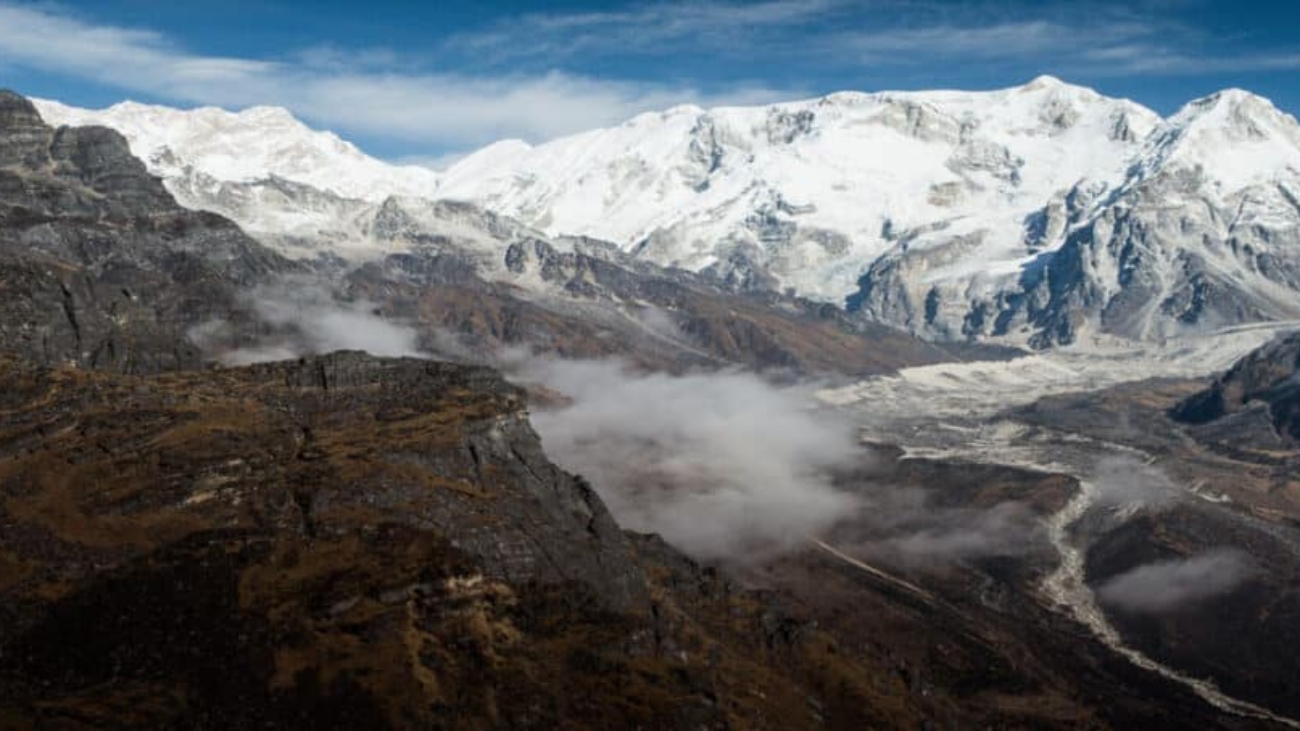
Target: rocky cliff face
(99,264)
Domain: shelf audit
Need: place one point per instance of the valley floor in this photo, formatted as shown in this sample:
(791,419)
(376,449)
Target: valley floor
(1141,489)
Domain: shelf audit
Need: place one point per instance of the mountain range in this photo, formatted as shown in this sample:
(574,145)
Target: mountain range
(111,270)
(1038,215)
(213,520)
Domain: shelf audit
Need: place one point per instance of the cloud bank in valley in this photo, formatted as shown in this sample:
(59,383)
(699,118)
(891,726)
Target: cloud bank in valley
(305,318)
(723,465)
(1165,586)
(913,531)
(1126,480)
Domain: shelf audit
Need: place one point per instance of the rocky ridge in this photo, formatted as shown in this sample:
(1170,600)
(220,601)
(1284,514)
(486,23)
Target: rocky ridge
(1257,400)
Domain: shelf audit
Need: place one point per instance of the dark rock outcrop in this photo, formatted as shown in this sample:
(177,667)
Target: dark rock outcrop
(1264,384)
(99,265)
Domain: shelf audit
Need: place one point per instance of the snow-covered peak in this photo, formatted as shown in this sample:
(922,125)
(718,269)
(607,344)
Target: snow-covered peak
(818,187)
(255,144)
(1235,115)
(1233,138)
(1045,81)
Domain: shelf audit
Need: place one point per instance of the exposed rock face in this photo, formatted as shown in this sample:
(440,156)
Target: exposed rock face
(1200,235)
(582,298)
(1262,387)
(99,265)
(1148,270)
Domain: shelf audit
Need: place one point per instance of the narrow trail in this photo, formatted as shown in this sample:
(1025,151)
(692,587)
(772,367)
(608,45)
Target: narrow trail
(864,566)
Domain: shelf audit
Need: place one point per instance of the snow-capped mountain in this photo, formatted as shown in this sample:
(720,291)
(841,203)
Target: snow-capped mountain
(813,191)
(302,191)
(1203,234)
(1034,213)
(255,144)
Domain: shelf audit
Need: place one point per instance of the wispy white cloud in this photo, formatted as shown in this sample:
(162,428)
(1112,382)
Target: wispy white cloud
(1150,59)
(657,29)
(1090,38)
(1166,586)
(434,102)
(748,474)
(464,109)
(1018,39)
(366,95)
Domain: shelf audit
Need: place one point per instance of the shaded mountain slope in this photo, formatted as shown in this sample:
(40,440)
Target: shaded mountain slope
(98,264)
(1259,397)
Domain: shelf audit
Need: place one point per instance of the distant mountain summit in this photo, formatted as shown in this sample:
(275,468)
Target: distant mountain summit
(257,143)
(1203,233)
(1036,214)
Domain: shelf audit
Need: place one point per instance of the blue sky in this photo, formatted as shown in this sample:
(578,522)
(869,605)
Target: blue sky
(423,81)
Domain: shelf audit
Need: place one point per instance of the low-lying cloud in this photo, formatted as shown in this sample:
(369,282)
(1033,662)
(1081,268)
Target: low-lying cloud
(1125,480)
(1168,585)
(723,465)
(915,532)
(305,318)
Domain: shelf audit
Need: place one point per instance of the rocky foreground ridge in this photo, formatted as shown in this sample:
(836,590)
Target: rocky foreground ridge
(348,542)
(342,541)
